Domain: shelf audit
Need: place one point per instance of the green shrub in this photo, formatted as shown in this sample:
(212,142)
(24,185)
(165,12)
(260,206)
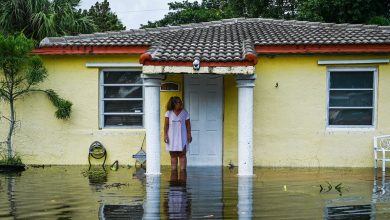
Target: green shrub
(15,160)
(379,20)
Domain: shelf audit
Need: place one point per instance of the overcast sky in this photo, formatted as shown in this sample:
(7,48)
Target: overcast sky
(133,13)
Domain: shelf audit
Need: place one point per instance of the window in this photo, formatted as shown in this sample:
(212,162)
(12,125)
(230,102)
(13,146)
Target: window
(121,98)
(169,87)
(351,97)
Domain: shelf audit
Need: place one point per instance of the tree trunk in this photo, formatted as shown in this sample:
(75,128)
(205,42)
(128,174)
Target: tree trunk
(11,129)
(11,195)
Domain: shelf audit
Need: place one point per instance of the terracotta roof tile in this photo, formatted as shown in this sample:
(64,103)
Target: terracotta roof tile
(228,39)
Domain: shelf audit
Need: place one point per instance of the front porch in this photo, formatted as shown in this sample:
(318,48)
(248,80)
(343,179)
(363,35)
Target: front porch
(221,111)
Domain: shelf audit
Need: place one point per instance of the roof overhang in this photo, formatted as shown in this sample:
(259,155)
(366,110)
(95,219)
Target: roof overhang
(90,50)
(250,59)
(149,69)
(202,63)
(323,48)
(260,49)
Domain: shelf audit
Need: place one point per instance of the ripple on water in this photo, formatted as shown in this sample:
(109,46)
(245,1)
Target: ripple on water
(62,192)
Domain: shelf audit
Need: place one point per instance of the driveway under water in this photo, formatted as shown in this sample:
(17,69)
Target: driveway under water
(63,192)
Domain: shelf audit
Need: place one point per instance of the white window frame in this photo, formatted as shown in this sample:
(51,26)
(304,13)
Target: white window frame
(102,99)
(374,108)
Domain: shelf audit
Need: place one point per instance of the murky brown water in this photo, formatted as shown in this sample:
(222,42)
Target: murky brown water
(62,192)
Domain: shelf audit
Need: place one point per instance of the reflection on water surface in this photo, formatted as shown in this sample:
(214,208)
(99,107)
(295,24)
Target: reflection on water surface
(62,192)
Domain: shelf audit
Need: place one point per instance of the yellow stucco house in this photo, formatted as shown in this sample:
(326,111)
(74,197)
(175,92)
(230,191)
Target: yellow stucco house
(260,92)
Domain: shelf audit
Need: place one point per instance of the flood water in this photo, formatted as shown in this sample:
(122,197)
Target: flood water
(63,192)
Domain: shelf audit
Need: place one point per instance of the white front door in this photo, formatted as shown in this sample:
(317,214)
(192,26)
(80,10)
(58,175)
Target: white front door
(203,99)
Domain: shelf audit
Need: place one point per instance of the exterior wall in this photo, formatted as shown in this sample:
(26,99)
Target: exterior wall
(230,121)
(43,139)
(290,120)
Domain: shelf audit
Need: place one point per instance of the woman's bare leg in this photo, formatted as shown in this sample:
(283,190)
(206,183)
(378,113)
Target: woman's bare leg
(183,161)
(174,176)
(173,161)
(183,176)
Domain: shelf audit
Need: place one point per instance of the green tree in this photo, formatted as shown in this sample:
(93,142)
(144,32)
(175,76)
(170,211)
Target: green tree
(20,74)
(344,11)
(379,20)
(208,10)
(103,17)
(282,9)
(337,11)
(192,12)
(38,19)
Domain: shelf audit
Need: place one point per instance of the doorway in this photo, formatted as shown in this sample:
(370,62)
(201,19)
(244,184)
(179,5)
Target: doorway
(203,99)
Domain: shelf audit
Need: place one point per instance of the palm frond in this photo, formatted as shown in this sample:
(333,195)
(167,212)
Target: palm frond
(44,24)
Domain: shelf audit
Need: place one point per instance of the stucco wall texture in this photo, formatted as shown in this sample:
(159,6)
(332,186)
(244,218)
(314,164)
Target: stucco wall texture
(289,120)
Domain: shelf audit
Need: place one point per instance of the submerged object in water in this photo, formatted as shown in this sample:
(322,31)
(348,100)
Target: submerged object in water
(114,166)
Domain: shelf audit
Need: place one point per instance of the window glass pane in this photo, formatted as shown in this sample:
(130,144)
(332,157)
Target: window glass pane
(123,92)
(169,86)
(341,98)
(123,120)
(123,106)
(350,116)
(347,80)
(115,77)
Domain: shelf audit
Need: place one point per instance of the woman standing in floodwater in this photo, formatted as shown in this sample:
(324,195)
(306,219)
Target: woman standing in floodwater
(177,132)
(177,202)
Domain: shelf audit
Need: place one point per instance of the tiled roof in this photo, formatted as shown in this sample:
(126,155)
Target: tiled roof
(228,40)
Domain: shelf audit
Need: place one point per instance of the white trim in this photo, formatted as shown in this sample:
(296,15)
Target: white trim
(121,70)
(357,107)
(123,84)
(113,65)
(374,107)
(123,99)
(349,128)
(101,99)
(123,128)
(372,61)
(123,113)
(360,89)
(190,70)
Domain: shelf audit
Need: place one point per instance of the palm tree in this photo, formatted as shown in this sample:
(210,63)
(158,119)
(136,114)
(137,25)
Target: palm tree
(38,19)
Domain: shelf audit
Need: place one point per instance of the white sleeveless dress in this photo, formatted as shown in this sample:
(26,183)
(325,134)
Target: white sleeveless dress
(177,131)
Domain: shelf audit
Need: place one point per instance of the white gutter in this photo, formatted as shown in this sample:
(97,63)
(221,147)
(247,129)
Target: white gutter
(372,61)
(113,65)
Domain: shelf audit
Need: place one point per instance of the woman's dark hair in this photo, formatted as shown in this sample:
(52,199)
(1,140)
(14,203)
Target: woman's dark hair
(172,101)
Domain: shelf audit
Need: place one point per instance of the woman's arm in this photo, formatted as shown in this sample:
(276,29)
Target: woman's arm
(166,127)
(188,126)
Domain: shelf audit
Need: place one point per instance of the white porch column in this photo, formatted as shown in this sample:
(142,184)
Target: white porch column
(152,84)
(152,202)
(245,84)
(245,197)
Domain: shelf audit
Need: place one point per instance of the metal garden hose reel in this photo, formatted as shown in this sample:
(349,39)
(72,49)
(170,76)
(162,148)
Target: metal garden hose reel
(97,151)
